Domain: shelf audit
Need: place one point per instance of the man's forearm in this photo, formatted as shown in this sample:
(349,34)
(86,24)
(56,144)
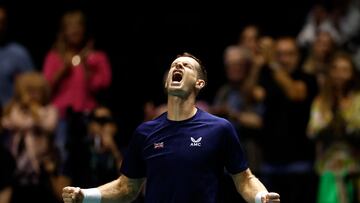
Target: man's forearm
(248,185)
(294,90)
(120,190)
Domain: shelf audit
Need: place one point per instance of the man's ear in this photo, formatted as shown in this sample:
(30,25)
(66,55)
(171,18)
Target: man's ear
(200,84)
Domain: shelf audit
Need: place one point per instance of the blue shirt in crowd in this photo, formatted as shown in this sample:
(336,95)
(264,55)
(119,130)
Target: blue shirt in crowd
(184,161)
(14,59)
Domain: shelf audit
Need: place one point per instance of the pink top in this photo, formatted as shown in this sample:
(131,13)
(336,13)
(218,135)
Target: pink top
(75,90)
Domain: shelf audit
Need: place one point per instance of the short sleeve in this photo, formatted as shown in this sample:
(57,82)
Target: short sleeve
(235,160)
(133,165)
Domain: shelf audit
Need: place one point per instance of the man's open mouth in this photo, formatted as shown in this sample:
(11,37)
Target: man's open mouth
(177,76)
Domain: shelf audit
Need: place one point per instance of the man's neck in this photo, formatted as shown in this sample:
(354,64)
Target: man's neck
(181,109)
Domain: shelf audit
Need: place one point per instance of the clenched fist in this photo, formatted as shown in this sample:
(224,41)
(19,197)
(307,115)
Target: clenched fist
(72,195)
(271,198)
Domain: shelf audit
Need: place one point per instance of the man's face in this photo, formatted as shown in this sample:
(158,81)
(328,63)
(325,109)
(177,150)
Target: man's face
(236,67)
(182,78)
(287,55)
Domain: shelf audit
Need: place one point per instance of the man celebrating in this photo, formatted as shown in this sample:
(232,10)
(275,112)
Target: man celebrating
(182,153)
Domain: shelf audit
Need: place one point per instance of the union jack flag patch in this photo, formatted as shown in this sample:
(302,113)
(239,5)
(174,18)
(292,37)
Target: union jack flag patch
(158,145)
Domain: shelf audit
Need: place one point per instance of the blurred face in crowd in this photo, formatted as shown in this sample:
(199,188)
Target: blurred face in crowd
(3,21)
(323,45)
(101,118)
(74,28)
(319,13)
(32,88)
(286,54)
(183,77)
(341,72)
(249,38)
(237,63)
(266,47)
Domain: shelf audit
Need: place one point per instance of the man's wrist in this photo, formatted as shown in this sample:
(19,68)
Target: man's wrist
(92,195)
(259,196)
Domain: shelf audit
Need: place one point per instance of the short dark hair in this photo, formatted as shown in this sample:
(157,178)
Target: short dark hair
(202,73)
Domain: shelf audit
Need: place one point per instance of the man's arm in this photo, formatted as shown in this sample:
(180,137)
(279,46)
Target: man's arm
(121,190)
(250,187)
(294,89)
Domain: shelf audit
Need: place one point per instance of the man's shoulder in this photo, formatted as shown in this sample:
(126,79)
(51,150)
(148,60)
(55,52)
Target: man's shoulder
(213,119)
(148,126)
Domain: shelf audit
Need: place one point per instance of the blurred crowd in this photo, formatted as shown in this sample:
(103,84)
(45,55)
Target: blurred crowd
(294,100)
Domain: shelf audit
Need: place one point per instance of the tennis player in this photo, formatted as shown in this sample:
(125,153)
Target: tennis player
(182,154)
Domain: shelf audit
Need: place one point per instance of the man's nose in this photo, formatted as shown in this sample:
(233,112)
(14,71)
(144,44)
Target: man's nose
(179,66)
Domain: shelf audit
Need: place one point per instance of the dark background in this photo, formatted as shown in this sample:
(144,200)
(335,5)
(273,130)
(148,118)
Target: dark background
(142,39)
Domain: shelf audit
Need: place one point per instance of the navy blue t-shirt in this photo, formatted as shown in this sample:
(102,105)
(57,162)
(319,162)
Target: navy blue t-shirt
(184,161)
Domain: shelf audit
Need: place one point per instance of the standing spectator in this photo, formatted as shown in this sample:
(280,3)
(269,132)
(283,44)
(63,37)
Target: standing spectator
(345,18)
(318,60)
(75,71)
(318,20)
(335,126)
(235,102)
(288,95)
(14,59)
(252,39)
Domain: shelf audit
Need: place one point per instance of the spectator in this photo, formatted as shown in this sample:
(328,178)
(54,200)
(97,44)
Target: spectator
(335,126)
(235,101)
(252,39)
(286,149)
(31,122)
(345,18)
(318,20)
(75,71)
(14,59)
(319,58)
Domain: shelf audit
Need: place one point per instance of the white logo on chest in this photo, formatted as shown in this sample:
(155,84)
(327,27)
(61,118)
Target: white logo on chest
(195,143)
